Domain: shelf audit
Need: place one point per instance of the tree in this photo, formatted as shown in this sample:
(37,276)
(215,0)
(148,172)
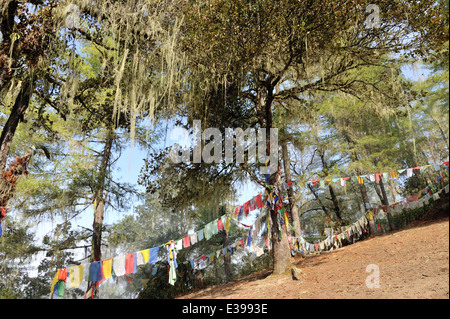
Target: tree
(286,51)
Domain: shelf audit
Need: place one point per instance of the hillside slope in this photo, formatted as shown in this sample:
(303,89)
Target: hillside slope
(412,263)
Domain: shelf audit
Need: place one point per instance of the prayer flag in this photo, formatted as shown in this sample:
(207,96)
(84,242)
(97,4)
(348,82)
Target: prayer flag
(186,241)
(252,204)
(107,268)
(95,271)
(259,202)
(146,255)
(246,209)
(119,266)
(378,177)
(54,282)
(76,275)
(194,238)
(219,224)
(200,234)
(228,224)
(139,259)
(153,255)
(129,264)
(409,172)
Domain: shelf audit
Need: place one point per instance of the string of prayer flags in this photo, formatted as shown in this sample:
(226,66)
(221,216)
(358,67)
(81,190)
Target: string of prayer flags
(374,177)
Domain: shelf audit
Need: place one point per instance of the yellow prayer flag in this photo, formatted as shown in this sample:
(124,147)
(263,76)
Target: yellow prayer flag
(370,215)
(394,174)
(54,282)
(76,275)
(228,224)
(107,267)
(286,220)
(145,254)
(360,180)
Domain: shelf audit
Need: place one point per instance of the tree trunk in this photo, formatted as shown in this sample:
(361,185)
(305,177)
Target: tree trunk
(100,197)
(280,246)
(365,197)
(227,258)
(17,112)
(99,206)
(281,251)
(337,210)
(378,191)
(290,190)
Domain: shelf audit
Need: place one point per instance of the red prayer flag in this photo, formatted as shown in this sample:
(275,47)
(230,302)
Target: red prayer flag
(246,209)
(186,241)
(446,163)
(62,274)
(378,176)
(219,224)
(238,209)
(259,202)
(129,263)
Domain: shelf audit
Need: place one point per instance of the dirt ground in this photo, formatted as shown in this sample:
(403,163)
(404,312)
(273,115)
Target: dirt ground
(412,263)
